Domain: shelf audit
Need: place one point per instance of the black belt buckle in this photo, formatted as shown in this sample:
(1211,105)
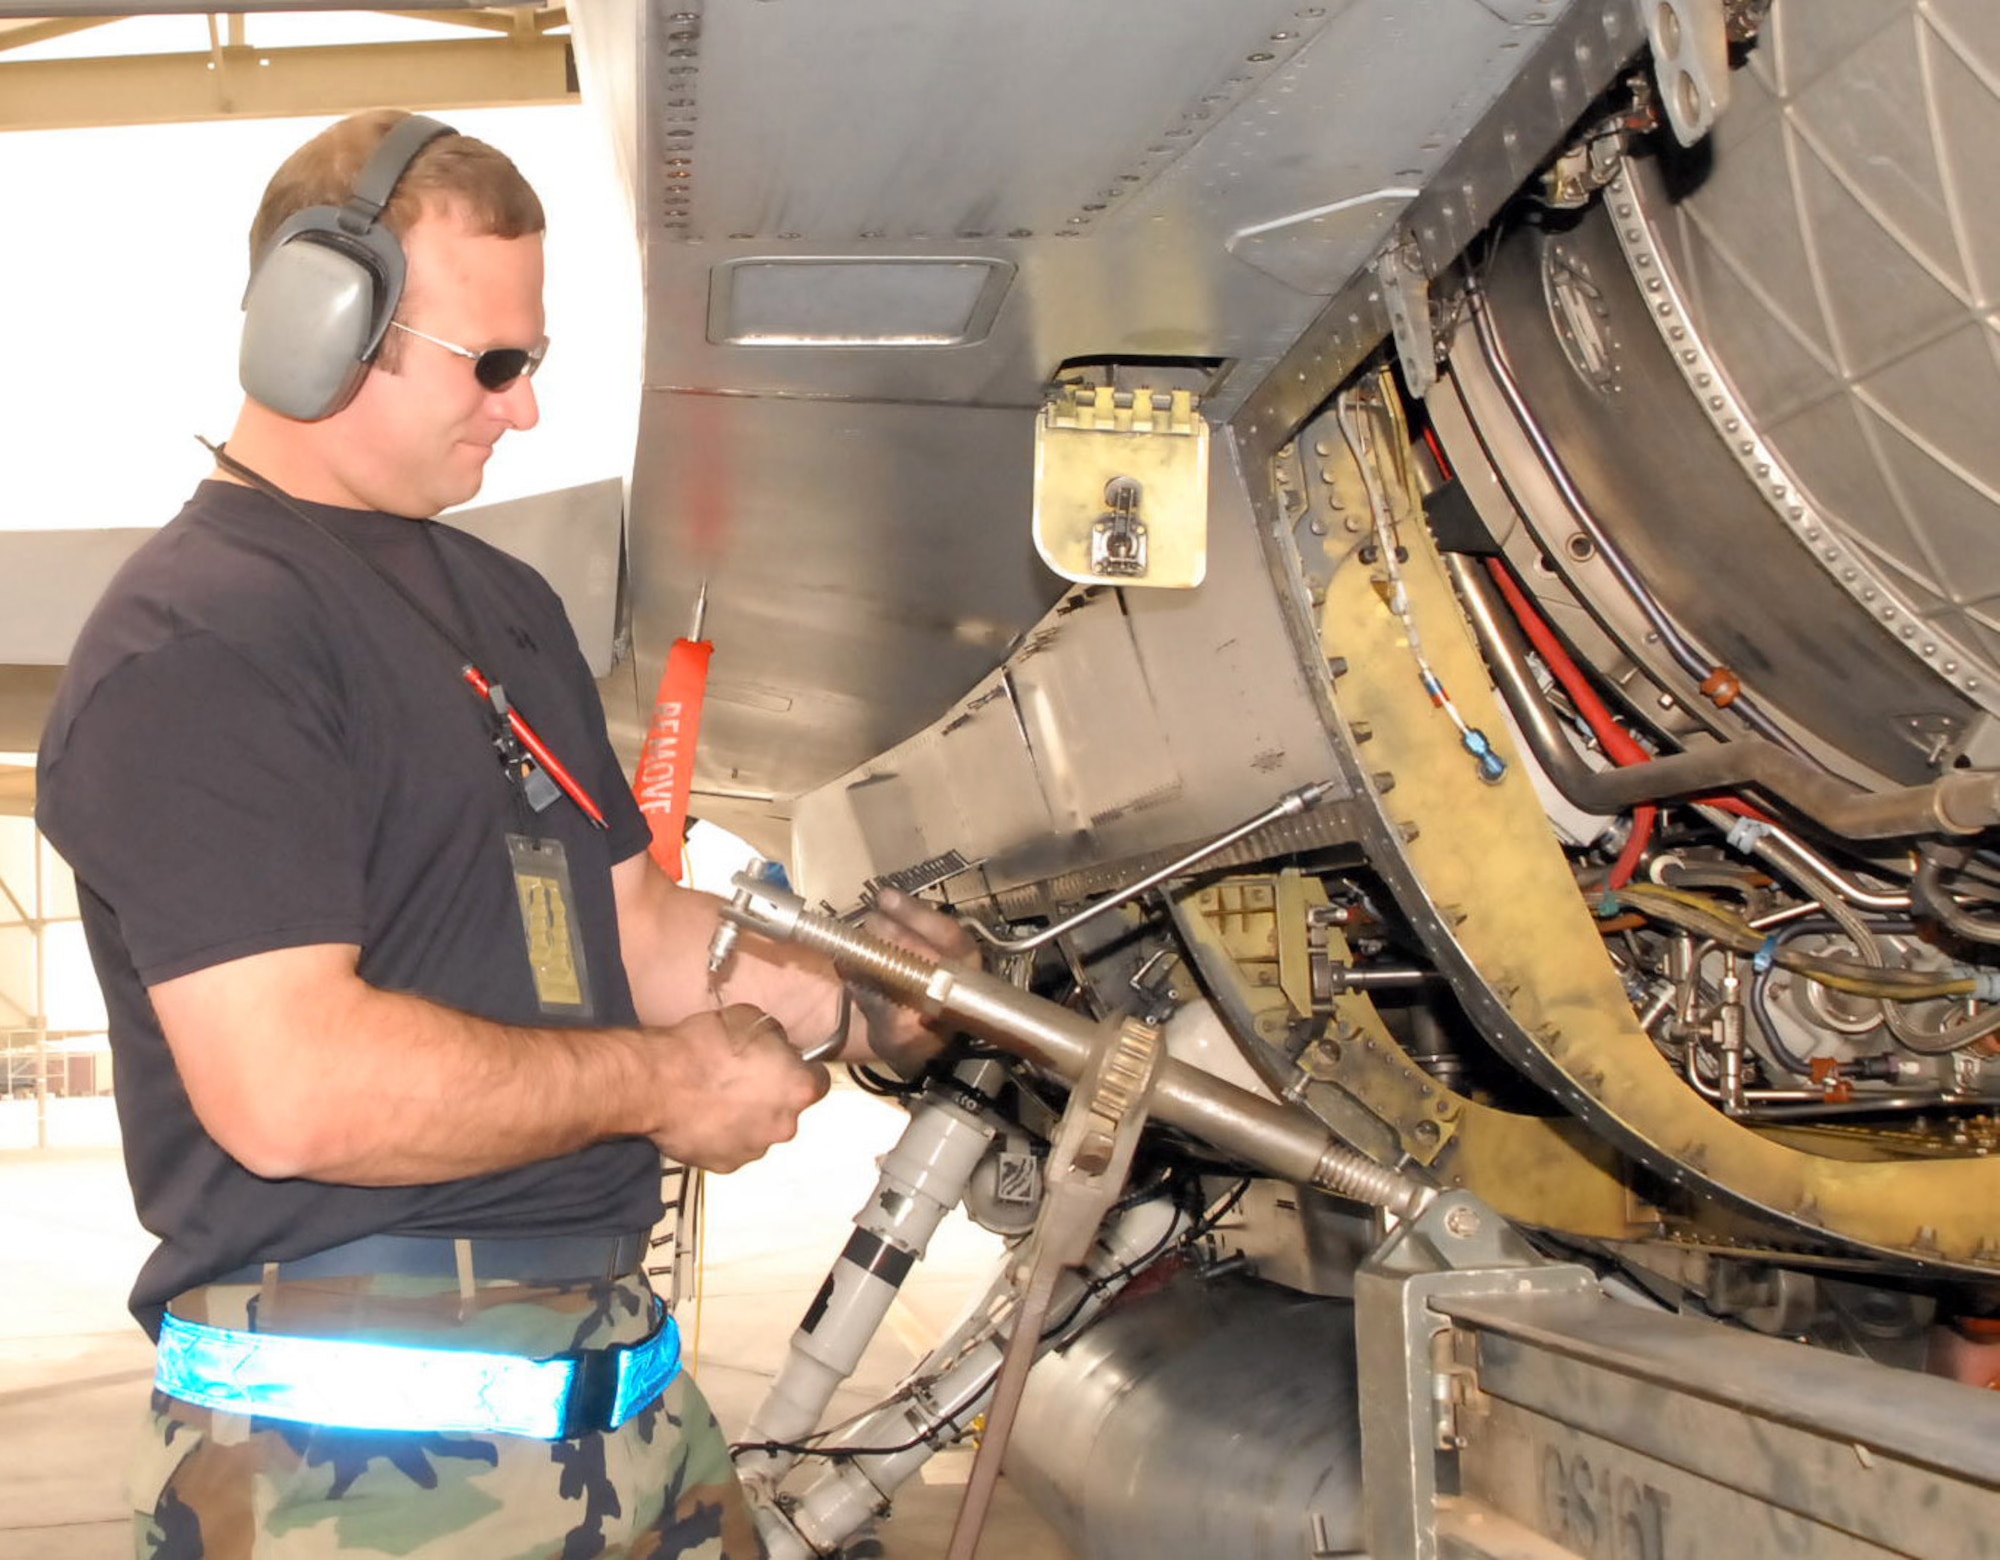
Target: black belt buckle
(593,1391)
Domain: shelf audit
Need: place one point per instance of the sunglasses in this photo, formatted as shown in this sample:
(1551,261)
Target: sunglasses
(497,367)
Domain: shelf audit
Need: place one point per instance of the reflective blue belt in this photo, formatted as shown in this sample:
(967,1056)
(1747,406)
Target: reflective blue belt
(392,1386)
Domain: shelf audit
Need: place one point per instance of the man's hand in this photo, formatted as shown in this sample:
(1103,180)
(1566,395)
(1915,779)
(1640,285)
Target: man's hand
(665,930)
(899,1035)
(735,1087)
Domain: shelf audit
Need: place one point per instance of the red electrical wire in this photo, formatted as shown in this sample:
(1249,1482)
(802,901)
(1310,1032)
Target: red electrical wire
(1616,741)
(1437,454)
(1610,735)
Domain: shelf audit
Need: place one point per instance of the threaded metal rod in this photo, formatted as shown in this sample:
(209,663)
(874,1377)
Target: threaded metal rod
(1282,1140)
(895,970)
(1358,1178)
(1290,805)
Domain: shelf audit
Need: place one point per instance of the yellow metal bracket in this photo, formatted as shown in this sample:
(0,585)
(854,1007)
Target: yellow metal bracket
(1251,934)
(1121,486)
(1484,858)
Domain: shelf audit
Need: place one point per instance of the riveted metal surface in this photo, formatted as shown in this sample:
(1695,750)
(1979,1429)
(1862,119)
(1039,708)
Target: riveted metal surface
(1541,1171)
(1834,270)
(1126,719)
(1156,176)
(1689,515)
(1569,63)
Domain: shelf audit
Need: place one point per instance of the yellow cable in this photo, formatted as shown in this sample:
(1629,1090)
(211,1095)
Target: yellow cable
(1699,913)
(698,1202)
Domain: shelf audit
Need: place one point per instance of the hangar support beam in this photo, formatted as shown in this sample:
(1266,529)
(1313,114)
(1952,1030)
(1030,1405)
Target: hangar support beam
(237,82)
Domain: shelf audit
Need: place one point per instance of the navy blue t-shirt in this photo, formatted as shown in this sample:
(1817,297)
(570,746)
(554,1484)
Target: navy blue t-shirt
(258,745)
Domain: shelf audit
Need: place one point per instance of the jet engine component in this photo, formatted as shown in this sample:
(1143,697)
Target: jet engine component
(1497,906)
(1273,1137)
(1121,486)
(1961,802)
(1729,1025)
(1181,1425)
(1536,1414)
(941,1399)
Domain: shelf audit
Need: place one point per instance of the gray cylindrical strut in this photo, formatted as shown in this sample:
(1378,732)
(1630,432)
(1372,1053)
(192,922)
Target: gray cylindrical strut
(941,1397)
(1281,1140)
(923,1178)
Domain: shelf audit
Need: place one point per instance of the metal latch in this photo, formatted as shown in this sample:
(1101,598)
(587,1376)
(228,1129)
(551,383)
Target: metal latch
(1118,540)
(1121,486)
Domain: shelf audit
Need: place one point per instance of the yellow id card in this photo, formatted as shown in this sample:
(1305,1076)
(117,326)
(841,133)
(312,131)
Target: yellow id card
(548,921)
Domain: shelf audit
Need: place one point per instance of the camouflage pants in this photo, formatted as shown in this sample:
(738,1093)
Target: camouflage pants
(216,1486)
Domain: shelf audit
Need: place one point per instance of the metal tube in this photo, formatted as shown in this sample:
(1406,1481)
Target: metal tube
(1348,979)
(1690,659)
(1963,802)
(1289,805)
(1282,1140)
(1793,857)
(1937,898)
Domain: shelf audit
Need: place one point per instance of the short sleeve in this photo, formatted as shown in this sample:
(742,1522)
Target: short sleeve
(610,787)
(631,834)
(209,808)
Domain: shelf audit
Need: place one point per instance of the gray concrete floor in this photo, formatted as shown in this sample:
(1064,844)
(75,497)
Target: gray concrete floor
(74,1369)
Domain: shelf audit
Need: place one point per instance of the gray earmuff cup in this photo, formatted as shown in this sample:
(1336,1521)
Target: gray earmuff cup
(322,293)
(308,319)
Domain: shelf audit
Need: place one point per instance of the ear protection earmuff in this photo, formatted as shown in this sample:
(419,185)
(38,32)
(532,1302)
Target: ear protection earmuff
(322,293)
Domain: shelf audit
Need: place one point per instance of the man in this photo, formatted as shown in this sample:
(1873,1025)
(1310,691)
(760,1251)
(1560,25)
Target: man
(403,1013)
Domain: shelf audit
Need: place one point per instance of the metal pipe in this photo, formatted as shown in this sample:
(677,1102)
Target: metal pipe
(1345,978)
(1685,654)
(1289,805)
(1860,1106)
(1720,1096)
(1729,1034)
(1963,802)
(1793,857)
(1937,898)
(1279,1139)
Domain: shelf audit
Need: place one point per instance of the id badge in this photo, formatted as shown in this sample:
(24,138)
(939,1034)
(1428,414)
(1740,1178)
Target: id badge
(548,922)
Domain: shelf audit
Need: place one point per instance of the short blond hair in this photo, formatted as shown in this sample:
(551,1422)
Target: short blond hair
(455,172)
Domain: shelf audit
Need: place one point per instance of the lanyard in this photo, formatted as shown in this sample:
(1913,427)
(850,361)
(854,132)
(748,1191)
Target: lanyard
(526,758)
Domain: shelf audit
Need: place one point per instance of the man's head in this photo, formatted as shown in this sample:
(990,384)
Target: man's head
(410,430)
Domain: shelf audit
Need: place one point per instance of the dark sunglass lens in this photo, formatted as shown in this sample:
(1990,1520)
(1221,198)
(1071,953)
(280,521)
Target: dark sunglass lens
(499,368)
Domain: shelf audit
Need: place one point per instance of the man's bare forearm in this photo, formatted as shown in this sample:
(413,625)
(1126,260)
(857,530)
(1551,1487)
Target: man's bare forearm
(299,1068)
(396,1090)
